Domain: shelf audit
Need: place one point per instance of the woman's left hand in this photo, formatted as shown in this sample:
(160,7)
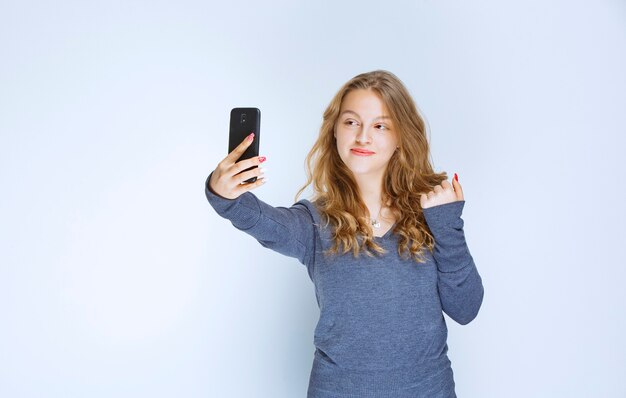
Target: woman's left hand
(442,194)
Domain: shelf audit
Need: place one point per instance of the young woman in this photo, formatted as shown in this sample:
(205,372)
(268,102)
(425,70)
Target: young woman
(382,240)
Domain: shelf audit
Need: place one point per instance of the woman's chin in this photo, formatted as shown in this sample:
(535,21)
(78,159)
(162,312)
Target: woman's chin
(363,171)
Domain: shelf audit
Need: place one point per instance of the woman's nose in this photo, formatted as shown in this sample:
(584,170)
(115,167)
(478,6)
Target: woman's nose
(363,136)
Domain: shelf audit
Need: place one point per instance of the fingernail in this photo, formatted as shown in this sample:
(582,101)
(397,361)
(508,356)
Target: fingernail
(250,137)
(456,177)
(262,170)
(261,159)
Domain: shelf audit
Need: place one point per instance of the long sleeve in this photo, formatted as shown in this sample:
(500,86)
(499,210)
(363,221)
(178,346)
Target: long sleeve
(289,231)
(460,285)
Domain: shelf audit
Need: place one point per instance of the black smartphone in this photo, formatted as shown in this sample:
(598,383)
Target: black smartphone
(244,121)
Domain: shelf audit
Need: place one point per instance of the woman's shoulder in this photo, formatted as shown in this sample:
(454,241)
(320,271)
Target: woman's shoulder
(313,208)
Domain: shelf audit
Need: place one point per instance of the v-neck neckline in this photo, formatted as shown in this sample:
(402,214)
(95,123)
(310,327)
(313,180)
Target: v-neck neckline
(386,233)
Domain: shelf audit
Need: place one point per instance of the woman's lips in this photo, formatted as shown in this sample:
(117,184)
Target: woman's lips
(360,152)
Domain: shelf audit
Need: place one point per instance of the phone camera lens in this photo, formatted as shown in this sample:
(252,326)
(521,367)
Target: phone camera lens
(243,118)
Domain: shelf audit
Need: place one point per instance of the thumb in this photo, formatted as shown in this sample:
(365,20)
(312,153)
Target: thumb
(457,188)
(423,198)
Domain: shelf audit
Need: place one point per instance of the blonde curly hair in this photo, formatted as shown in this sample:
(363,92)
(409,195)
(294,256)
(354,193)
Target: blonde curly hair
(409,173)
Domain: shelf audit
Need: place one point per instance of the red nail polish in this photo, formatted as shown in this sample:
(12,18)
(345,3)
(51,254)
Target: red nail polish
(456,177)
(250,136)
(261,159)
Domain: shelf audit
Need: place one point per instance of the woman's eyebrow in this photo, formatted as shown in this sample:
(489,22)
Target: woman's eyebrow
(357,115)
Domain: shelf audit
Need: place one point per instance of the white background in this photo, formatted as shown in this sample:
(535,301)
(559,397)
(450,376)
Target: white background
(117,279)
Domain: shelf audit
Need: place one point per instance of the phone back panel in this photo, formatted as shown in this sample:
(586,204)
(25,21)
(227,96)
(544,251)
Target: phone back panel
(244,121)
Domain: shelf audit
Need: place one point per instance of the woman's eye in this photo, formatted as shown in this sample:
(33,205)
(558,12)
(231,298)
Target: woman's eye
(383,127)
(349,121)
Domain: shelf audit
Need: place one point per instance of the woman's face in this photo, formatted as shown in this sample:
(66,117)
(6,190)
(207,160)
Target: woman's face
(366,139)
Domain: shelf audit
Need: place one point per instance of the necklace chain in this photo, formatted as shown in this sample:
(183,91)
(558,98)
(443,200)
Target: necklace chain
(375,221)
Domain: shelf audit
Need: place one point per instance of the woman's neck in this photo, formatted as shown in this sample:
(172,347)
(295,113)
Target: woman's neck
(371,192)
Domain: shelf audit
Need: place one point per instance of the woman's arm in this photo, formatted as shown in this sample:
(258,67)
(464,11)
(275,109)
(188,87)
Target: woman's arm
(289,231)
(460,286)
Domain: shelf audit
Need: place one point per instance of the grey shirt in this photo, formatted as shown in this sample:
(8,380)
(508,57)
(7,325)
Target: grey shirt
(381,330)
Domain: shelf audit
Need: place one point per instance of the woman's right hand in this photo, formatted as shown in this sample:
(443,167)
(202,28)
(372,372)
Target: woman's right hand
(225,180)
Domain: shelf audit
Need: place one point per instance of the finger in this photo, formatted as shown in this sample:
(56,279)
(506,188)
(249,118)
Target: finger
(438,188)
(247,187)
(246,175)
(240,149)
(245,164)
(447,186)
(458,189)
(423,199)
